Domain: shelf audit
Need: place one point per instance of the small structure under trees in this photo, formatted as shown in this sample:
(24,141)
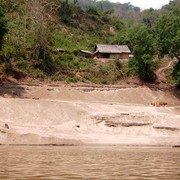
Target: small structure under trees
(86,53)
(111,51)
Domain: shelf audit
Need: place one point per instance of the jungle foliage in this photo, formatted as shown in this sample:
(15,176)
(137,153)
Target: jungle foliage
(31,32)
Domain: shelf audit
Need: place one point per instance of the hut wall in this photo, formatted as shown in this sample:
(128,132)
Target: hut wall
(124,56)
(111,56)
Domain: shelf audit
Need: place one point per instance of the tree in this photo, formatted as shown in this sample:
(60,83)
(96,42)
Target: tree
(176,73)
(149,16)
(168,38)
(65,12)
(3,27)
(142,43)
(168,34)
(38,23)
(40,12)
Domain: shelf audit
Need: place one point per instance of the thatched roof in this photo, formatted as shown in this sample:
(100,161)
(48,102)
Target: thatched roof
(112,49)
(86,52)
(59,50)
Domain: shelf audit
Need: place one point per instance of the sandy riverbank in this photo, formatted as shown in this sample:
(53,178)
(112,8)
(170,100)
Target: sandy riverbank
(72,116)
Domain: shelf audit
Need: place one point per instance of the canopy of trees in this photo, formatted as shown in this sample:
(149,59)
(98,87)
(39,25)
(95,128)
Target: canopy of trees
(168,33)
(36,27)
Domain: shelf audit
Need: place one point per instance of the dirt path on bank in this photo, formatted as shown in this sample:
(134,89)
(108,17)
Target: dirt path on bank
(160,73)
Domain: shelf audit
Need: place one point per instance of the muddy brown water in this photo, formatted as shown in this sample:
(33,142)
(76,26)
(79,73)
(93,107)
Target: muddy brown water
(100,162)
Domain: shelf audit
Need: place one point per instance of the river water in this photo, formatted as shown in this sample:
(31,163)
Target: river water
(129,163)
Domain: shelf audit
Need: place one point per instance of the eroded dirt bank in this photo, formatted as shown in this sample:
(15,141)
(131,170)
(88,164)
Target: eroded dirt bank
(71,116)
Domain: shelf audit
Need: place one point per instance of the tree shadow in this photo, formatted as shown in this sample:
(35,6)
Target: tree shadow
(11,90)
(9,86)
(176,92)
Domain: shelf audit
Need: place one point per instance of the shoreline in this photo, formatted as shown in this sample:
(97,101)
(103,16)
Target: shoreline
(90,145)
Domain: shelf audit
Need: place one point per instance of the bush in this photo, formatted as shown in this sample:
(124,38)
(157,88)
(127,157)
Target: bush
(7,69)
(93,10)
(36,73)
(9,52)
(72,80)
(106,73)
(117,23)
(22,64)
(56,78)
(176,73)
(143,67)
(146,71)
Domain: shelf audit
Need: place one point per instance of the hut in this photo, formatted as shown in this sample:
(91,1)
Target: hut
(58,50)
(86,53)
(102,51)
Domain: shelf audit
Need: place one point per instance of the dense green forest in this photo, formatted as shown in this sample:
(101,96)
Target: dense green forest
(32,31)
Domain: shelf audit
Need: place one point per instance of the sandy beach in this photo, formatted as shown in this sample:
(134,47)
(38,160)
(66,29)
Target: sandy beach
(62,115)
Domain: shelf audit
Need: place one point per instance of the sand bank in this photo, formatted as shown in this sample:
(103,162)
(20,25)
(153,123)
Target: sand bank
(69,116)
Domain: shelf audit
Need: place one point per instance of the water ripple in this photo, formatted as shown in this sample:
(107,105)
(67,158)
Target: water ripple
(61,163)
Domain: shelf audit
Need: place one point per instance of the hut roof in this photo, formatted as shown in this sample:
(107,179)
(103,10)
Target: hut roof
(60,50)
(112,48)
(86,52)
